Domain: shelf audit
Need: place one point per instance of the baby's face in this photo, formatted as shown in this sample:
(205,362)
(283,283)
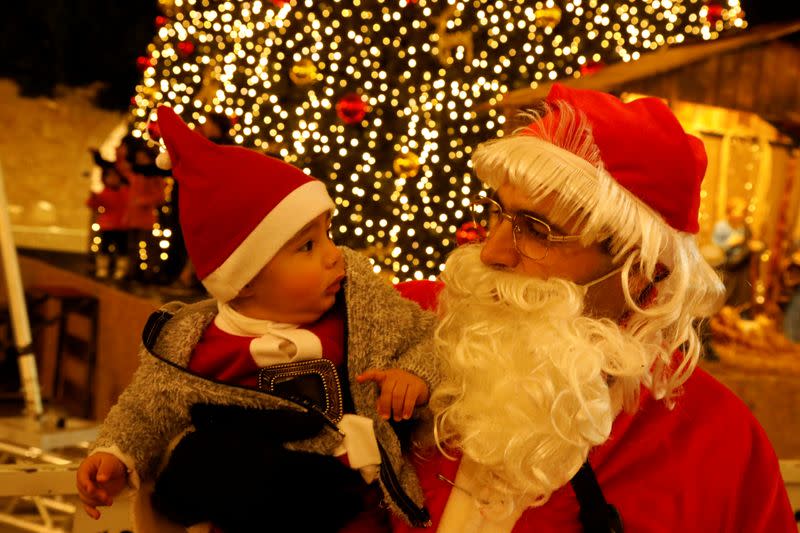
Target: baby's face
(300,283)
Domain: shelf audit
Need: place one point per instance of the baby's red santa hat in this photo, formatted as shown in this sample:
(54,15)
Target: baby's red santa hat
(237,207)
(626,170)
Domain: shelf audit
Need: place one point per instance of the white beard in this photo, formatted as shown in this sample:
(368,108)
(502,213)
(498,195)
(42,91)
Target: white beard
(525,392)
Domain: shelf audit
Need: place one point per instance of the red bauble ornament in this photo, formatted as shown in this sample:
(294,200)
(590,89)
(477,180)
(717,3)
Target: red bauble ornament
(715,12)
(161,21)
(469,233)
(592,67)
(186,48)
(351,108)
(143,62)
(279,3)
(233,119)
(154,130)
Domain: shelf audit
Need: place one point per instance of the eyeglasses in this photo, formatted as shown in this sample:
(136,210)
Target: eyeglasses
(532,237)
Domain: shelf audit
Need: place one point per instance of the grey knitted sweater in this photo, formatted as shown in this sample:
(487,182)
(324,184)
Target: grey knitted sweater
(383,331)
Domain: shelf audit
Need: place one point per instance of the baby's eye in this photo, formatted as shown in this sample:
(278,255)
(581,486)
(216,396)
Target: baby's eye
(307,246)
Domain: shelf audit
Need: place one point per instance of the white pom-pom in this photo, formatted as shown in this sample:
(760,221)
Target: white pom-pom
(163,161)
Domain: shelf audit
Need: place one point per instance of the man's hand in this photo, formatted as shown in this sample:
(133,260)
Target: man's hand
(101,477)
(401,391)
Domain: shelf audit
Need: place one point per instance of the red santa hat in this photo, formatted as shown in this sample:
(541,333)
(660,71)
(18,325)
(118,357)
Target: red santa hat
(625,170)
(237,207)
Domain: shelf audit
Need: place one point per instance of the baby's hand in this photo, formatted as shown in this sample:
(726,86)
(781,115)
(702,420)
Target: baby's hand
(101,476)
(401,391)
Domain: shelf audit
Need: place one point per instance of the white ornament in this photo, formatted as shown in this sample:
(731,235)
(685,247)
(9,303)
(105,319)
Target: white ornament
(163,161)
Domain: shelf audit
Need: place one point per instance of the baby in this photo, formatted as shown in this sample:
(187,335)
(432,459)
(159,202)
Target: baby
(246,406)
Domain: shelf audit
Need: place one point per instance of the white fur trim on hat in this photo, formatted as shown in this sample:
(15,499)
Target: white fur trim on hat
(281,224)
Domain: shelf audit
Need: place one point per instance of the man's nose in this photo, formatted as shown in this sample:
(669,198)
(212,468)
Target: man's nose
(498,248)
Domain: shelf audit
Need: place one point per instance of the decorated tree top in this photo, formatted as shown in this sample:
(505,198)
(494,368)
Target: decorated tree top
(378,97)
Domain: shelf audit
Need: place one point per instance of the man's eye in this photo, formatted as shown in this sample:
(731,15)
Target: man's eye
(493,214)
(307,246)
(533,227)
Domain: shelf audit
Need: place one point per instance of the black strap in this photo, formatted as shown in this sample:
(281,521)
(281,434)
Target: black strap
(152,329)
(155,323)
(596,514)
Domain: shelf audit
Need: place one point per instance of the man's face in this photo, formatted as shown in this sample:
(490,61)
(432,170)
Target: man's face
(571,261)
(566,260)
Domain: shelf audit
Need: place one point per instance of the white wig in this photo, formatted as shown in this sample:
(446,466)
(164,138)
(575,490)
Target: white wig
(561,158)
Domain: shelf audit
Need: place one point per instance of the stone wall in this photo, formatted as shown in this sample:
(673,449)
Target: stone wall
(46,164)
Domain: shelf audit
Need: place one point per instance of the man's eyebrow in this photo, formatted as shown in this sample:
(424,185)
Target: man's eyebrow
(538,216)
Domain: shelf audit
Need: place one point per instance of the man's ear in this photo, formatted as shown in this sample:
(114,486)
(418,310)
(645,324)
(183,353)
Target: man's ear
(637,281)
(643,290)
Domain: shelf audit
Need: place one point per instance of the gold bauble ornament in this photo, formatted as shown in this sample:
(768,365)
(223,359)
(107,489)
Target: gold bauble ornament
(547,17)
(303,72)
(756,246)
(406,165)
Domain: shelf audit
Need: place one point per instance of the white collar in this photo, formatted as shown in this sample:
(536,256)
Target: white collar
(273,342)
(231,321)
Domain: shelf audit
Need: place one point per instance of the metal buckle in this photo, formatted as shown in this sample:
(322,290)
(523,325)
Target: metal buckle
(315,381)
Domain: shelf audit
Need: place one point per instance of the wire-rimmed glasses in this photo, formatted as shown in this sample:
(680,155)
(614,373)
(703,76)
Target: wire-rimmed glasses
(532,236)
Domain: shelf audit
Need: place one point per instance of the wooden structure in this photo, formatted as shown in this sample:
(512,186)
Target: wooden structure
(756,71)
(121,317)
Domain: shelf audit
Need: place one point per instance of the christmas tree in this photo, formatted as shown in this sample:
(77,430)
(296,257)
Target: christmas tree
(378,98)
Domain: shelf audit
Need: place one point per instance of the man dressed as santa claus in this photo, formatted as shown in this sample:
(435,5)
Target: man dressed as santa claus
(571,399)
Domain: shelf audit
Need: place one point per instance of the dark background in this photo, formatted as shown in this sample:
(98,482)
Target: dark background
(45,43)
